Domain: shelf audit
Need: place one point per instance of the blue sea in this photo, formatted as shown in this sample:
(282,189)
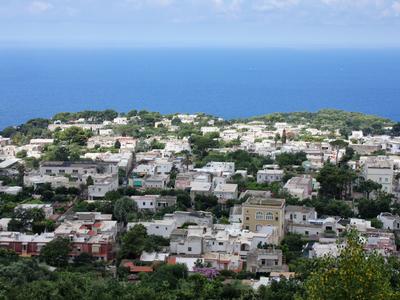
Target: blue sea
(226,82)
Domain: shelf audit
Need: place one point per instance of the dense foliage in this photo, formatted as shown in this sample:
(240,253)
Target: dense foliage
(330,119)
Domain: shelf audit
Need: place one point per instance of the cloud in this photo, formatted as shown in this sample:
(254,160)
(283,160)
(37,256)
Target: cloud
(396,8)
(270,5)
(228,6)
(38,7)
(154,3)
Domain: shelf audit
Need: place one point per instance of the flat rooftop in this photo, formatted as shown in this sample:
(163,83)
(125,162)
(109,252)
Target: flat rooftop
(265,201)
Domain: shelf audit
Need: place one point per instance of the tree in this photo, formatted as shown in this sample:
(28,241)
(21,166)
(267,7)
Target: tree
(369,186)
(83,259)
(42,226)
(36,214)
(354,274)
(22,154)
(395,129)
(89,181)
(337,145)
(283,290)
(368,208)
(348,155)
(133,242)
(73,135)
(292,245)
(277,138)
(176,121)
(55,253)
(204,202)
(376,223)
(184,200)
(15,225)
(336,181)
(122,208)
(117,144)
(187,160)
(156,145)
(284,137)
(289,159)
(58,153)
(201,143)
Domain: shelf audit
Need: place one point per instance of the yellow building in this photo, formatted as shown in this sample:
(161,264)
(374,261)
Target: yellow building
(258,212)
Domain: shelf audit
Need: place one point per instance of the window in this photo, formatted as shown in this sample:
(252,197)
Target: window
(74,171)
(95,248)
(259,215)
(263,262)
(190,249)
(269,216)
(221,243)
(304,217)
(276,218)
(276,262)
(48,171)
(144,203)
(247,218)
(291,217)
(61,171)
(306,232)
(247,227)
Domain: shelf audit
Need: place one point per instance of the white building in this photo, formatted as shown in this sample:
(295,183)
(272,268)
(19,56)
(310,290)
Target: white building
(162,228)
(389,221)
(393,147)
(268,176)
(35,180)
(187,241)
(300,214)
(209,129)
(199,188)
(328,248)
(46,208)
(156,182)
(146,202)
(300,187)
(102,184)
(380,170)
(226,191)
(218,168)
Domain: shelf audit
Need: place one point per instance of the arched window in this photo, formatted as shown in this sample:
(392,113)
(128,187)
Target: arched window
(259,215)
(269,216)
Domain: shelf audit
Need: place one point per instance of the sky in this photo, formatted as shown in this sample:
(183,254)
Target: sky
(220,23)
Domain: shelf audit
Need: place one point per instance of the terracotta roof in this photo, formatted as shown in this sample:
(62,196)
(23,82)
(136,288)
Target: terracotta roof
(171,260)
(137,269)
(140,269)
